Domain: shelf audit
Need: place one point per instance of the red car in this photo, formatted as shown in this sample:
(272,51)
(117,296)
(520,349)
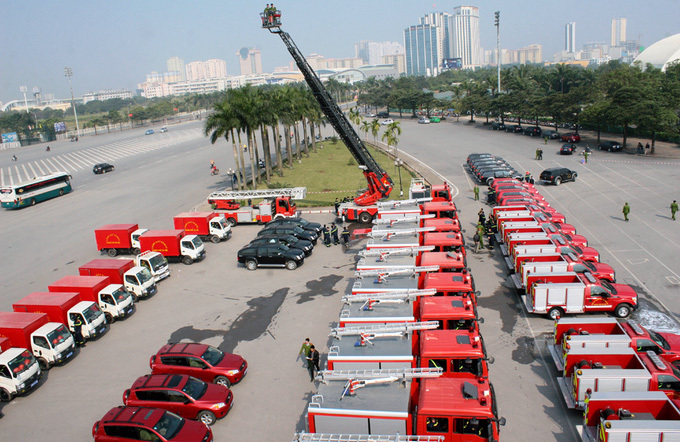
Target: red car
(201,361)
(572,137)
(142,423)
(184,395)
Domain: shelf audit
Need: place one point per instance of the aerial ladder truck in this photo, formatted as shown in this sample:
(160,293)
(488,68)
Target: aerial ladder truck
(276,203)
(380,184)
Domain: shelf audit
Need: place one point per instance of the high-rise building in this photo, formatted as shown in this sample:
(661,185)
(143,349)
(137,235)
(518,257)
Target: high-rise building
(570,37)
(250,61)
(465,32)
(618,31)
(195,71)
(215,68)
(422,50)
(371,52)
(530,54)
(396,60)
(442,20)
(176,64)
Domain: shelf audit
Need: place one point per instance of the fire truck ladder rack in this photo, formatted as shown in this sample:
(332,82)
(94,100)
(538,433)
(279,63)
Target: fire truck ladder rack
(387,234)
(296,193)
(324,437)
(399,203)
(381,182)
(405,374)
(383,275)
(405,219)
(399,329)
(383,254)
(388,297)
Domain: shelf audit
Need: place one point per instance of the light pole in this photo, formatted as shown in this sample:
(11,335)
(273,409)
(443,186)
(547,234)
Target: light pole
(497,23)
(24,89)
(68,72)
(398,162)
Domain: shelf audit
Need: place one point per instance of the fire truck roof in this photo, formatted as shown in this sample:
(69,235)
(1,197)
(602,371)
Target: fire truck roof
(451,344)
(447,307)
(385,400)
(455,396)
(370,284)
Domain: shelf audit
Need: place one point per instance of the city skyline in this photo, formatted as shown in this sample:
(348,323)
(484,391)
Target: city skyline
(114,45)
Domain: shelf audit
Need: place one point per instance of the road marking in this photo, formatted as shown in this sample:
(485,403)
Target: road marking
(42,172)
(673,280)
(638,262)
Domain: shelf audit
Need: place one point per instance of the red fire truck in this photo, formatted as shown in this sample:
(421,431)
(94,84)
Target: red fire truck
(276,203)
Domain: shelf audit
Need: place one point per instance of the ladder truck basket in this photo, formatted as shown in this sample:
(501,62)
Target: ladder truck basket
(401,328)
(405,219)
(405,295)
(399,203)
(296,193)
(396,251)
(327,437)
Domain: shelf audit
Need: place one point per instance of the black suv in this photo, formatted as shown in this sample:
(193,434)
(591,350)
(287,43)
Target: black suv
(102,168)
(290,229)
(610,146)
(307,225)
(497,126)
(558,175)
(534,131)
(383,114)
(286,240)
(270,255)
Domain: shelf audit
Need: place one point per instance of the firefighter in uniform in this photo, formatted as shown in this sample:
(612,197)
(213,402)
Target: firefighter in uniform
(77,332)
(334,234)
(345,236)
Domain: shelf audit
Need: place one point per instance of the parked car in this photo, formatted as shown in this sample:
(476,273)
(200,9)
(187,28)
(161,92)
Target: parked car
(383,114)
(435,119)
(144,423)
(270,255)
(307,225)
(102,168)
(514,128)
(533,131)
(387,121)
(610,146)
(149,132)
(474,156)
(290,229)
(497,126)
(164,129)
(567,149)
(201,361)
(286,240)
(571,137)
(504,174)
(423,120)
(488,175)
(551,134)
(557,175)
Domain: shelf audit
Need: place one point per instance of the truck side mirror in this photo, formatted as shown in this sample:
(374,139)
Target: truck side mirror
(480,320)
(501,422)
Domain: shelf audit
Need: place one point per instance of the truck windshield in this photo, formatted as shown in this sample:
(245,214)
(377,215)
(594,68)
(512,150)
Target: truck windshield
(157,262)
(197,242)
(195,388)
(21,363)
(58,336)
(120,295)
(661,342)
(590,266)
(222,222)
(213,356)
(169,425)
(91,313)
(610,288)
(577,249)
(144,275)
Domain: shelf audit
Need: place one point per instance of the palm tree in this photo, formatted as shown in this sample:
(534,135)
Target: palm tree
(375,129)
(365,127)
(391,136)
(222,123)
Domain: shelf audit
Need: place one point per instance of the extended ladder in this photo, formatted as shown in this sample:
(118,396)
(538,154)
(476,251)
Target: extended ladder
(398,329)
(296,193)
(405,294)
(383,274)
(399,203)
(405,374)
(404,219)
(383,254)
(327,437)
(385,235)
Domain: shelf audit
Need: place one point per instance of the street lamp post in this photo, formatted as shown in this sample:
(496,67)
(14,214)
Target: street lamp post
(68,73)
(497,23)
(398,162)
(24,89)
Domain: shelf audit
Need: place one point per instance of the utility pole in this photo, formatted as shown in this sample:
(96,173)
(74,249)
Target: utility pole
(68,73)
(497,23)
(24,89)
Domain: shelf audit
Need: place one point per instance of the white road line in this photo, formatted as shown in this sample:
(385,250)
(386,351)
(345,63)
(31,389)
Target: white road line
(75,162)
(62,164)
(78,156)
(28,175)
(42,172)
(650,177)
(11,177)
(16,169)
(2,177)
(33,170)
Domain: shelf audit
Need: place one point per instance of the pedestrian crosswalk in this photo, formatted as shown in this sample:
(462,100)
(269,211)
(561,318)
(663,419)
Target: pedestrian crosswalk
(84,159)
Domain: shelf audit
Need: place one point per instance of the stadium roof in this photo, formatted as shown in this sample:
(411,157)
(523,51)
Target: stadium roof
(662,53)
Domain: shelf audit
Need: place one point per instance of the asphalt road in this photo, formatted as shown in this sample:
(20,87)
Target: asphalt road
(265,315)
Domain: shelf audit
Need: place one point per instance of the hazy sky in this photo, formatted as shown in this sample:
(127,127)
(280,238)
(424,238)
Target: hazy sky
(114,44)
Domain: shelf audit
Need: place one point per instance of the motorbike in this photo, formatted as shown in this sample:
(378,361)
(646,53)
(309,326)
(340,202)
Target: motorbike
(14,158)
(47,149)
(214,171)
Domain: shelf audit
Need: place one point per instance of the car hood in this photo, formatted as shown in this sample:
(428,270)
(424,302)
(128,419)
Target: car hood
(215,394)
(604,270)
(672,339)
(625,291)
(590,254)
(231,361)
(192,431)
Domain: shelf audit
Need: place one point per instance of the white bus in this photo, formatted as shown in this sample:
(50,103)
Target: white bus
(36,190)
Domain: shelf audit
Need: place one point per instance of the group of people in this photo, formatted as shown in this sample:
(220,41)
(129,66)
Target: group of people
(270,13)
(674,210)
(485,228)
(643,150)
(539,154)
(311,355)
(331,234)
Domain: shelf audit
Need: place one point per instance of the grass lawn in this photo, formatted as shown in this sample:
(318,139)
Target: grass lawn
(332,172)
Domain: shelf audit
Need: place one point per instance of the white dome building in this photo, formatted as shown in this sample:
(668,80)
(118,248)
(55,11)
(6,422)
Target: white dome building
(662,53)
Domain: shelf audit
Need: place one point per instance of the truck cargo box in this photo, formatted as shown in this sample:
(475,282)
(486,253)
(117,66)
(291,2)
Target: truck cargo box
(17,327)
(55,305)
(87,286)
(115,236)
(113,268)
(165,242)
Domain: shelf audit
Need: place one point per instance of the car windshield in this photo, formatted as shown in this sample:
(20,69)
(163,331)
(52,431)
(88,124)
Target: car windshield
(213,356)
(57,336)
(610,288)
(157,261)
(144,275)
(92,313)
(195,388)
(284,247)
(661,342)
(589,265)
(169,425)
(21,363)
(120,295)
(577,250)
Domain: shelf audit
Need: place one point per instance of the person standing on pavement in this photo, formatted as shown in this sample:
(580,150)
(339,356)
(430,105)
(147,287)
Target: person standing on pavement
(345,236)
(476,238)
(540,153)
(78,332)
(674,208)
(305,349)
(326,236)
(585,155)
(482,217)
(312,362)
(337,207)
(626,211)
(537,152)
(480,232)
(334,234)
(476,191)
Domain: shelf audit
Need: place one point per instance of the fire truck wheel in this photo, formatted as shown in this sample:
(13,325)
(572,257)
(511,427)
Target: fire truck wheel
(187,260)
(291,265)
(222,380)
(365,218)
(206,417)
(215,239)
(251,264)
(44,365)
(231,221)
(112,252)
(109,317)
(623,311)
(555,313)
(5,396)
